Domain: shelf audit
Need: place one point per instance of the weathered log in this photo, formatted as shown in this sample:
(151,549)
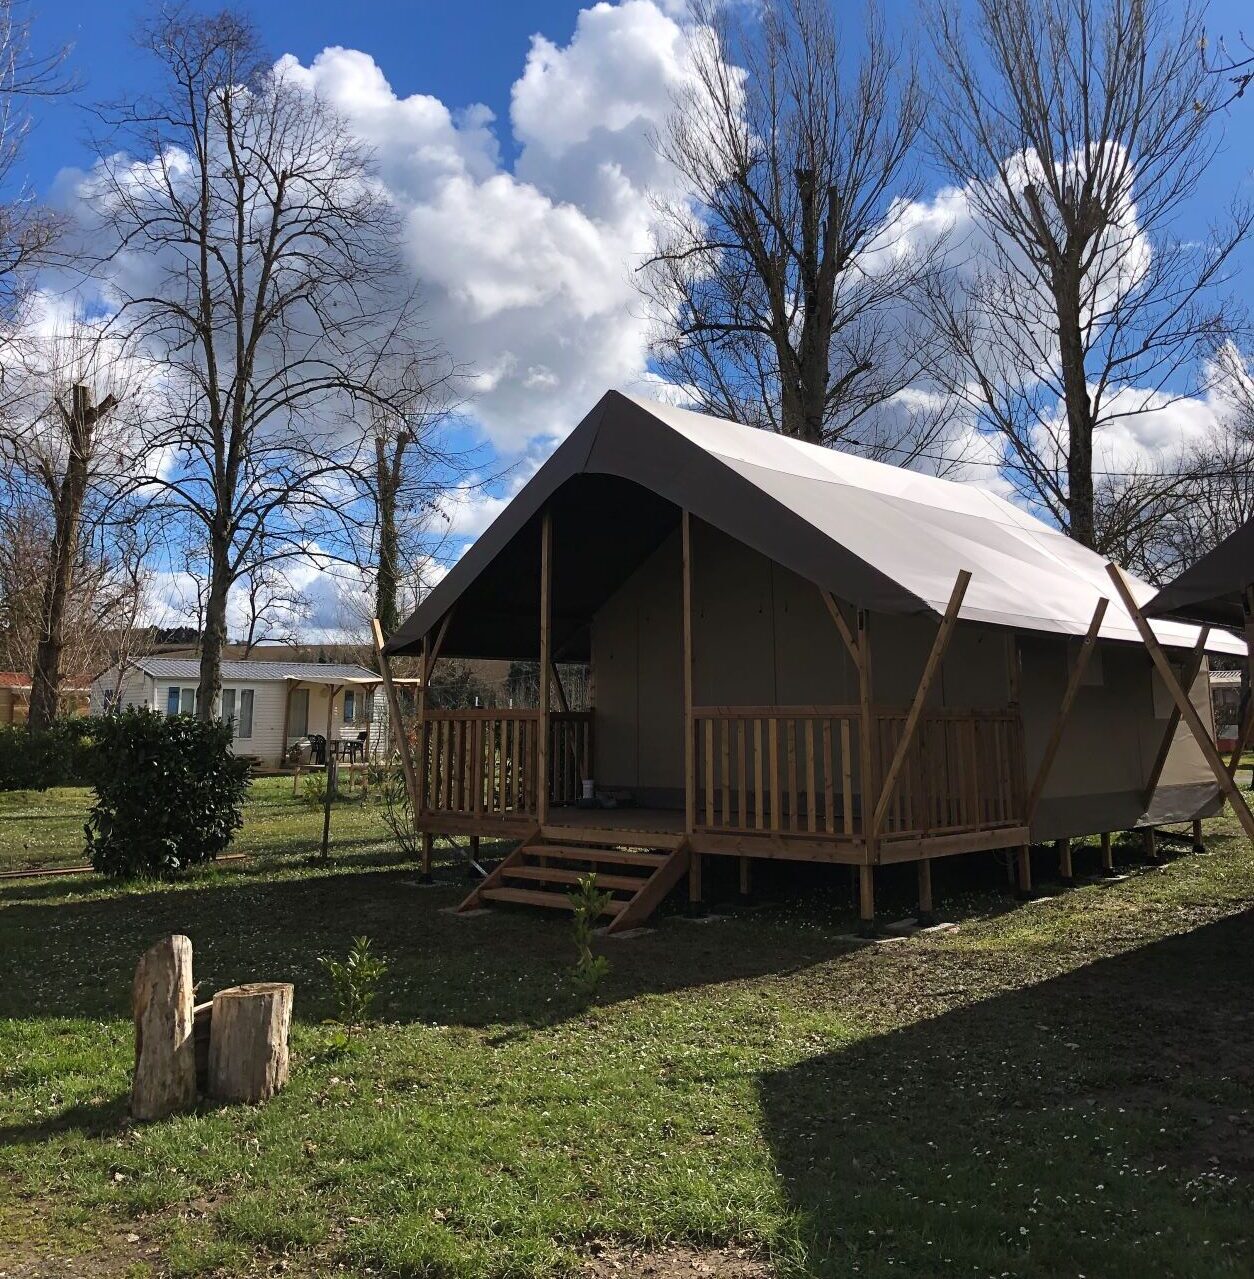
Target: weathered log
(165,1055)
(248,1037)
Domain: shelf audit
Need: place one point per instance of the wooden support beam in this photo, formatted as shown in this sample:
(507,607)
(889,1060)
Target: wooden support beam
(399,735)
(746,880)
(690,746)
(1192,670)
(1199,844)
(866,899)
(1108,854)
(1064,710)
(430,658)
(1187,710)
(546,661)
(842,626)
(1023,866)
(1149,842)
(1065,871)
(934,659)
(927,914)
(866,736)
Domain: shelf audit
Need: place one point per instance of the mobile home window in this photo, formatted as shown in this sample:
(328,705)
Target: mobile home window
(228,705)
(180,701)
(350,707)
(245,726)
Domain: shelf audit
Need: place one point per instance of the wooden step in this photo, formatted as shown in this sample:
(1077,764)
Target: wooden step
(584,853)
(613,837)
(538,897)
(555,875)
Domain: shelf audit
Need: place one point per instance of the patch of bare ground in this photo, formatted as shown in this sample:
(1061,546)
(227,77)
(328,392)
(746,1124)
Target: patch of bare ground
(677,1262)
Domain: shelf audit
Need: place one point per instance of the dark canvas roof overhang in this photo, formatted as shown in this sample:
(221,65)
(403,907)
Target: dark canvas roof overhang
(1211,590)
(875,536)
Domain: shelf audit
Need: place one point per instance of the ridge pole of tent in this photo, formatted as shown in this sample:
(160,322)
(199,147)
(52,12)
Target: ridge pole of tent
(1064,711)
(1187,710)
(398,726)
(546,662)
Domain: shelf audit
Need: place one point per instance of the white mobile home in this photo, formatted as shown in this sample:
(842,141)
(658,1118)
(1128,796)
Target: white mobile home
(273,704)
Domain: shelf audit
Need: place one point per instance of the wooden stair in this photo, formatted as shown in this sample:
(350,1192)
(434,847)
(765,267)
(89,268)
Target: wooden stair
(542,872)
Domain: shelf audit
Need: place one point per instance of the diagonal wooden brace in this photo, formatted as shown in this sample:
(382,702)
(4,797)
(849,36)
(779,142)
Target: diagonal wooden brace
(1064,711)
(1187,710)
(939,645)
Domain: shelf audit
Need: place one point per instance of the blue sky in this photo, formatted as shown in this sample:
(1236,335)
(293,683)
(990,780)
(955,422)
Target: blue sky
(523,229)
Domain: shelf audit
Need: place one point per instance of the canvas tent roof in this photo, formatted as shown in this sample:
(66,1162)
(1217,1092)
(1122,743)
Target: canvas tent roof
(883,538)
(1210,591)
(261,672)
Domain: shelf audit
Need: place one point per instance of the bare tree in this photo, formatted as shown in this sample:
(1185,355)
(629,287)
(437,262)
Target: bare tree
(407,469)
(28,230)
(254,255)
(67,449)
(1077,128)
(783,289)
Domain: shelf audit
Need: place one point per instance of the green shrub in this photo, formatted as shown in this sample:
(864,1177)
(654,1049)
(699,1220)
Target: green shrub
(169,793)
(354,982)
(58,756)
(589,903)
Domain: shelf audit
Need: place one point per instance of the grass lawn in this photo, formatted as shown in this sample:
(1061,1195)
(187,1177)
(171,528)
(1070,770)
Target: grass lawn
(1061,1088)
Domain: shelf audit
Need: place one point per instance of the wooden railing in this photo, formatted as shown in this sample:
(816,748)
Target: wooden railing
(798,770)
(485,762)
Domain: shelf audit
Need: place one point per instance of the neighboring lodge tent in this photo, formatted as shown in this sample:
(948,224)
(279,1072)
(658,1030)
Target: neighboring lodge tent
(770,680)
(1218,590)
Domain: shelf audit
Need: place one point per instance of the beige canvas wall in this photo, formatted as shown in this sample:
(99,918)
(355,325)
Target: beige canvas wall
(761,636)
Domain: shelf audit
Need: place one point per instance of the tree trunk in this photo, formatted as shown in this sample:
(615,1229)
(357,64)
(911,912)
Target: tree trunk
(165,1052)
(389,551)
(1081,513)
(45,692)
(248,1041)
(215,636)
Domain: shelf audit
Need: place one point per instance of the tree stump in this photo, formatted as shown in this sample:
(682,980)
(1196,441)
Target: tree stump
(248,1037)
(165,1055)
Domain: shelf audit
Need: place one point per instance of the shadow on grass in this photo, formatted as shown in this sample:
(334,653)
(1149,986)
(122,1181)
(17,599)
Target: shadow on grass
(63,955)
(1096,1123)
(88,1119)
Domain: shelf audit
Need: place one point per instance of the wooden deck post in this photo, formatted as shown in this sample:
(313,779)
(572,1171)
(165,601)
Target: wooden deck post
(1065,872)
(546,662)
(746,877)
(1064,711)
(690,746)
(927,915)
(1199,844)
(399,735)
(1149,841)
(1108,855)
(1187,710)
(1023,867)
(866,899)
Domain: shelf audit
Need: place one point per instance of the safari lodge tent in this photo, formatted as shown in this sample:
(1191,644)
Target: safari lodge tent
(794,653)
